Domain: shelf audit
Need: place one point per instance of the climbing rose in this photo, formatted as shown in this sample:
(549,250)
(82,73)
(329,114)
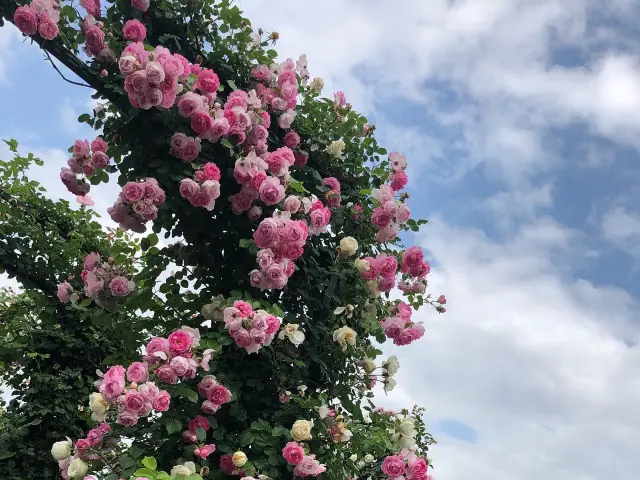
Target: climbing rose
(26,20)
(134,30)
(293,453)
(142,5)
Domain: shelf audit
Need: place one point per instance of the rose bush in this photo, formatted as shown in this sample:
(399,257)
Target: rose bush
(317,191)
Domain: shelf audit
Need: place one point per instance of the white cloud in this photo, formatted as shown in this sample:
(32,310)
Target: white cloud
(622,228)
(533,361)
(9,36)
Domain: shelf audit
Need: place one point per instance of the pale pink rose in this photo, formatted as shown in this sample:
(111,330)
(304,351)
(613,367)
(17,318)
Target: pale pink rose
(387,233)
(286,119)
(380,218)
(134,30)
(309,467)
(188,188)
(155,73)
(166,374)
(47,28)
(386,284)
(264,258)
(137,82)
(138,372)
(26,20)
(159,346)
(417,466)
(262,73)
(220,127)
(93,285)
(127,64)
(81,149)
(275,275)
(254,212)
(180,365)
(134,401)
(403,213)
(106,55)
(132,192)
(149,390)
(191,150)
(201,121)
(206,385)
(85,200)
(339,99)
(209,407)
(292,204)
(112,388)
(127,418)
(64,292)
(242,337)
(142,5)
(219,395)
(91,261)
(266,233)
(120,286)
(398,162)
(189,103)
(392,326)
(162,401)
(256,278)
(293,453)
(271,191)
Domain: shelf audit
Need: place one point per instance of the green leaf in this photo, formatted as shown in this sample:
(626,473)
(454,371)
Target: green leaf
(126,461)
(150,463)
(173,426)
(85,117)
(194,476)
(134,451)
(246,438)
(201,434)
(226,143)
(232,84)
(4,454)
(163,476)
(13,144)
(144,472)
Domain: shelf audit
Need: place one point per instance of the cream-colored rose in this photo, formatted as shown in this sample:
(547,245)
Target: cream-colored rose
(335,148)
(348,246)
(407,427)
(344,336)
(301,430)
(77,468)
(323,411)
(239,459)
(389,384)
(391,365)
(292,332)
(98,407)
(187,469)
(353,457)
(369,365)
(317,84)
(362,265)
(368,458)
(61,450)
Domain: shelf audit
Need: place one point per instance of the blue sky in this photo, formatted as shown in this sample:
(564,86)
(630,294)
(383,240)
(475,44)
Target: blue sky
(521,123)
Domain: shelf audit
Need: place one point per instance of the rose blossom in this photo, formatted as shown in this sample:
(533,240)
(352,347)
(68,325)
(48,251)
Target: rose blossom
(26,20)
(393,466)
(142,5)
(138,372)
(411,258)
(166,374)
(162,401)
(134,30)
(120,286)
(219,395)
(180,341)
(293,453)
(208,81)
(180,366)
(47,28)
(271,191)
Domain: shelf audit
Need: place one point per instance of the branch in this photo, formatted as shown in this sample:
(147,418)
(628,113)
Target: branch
(60,73)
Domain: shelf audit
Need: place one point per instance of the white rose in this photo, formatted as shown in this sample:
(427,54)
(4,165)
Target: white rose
(61,450)
(362,265)
(301,430)
(392,365)
(290,331)
(98,407)
(335,148)
(77,468)
(369,365)
(353,457)
(323,411)
(348,246)
(407,427)
(368,458)
(346,435)
(317,84)
(344,336)
(239,459)
(389,384)
(406,442)
(187,469)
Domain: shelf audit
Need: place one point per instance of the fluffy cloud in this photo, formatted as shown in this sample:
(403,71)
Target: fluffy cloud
(540,365)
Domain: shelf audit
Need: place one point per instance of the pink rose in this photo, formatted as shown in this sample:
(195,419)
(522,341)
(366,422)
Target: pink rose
(149,390)
(127,64)
(242,337)
(254,212)
(219,395)
(412,258)
(134,30)
(47,28)
(134,401)
(206,385)
(180,365)
(189,103)
(442,300)
(100,159)
(64,292)
(266,233)
(205,451)
(256,278)
(127,418)
(292,204)
(417,466)
(166,374)
(380,218)
(208,81)
(157,345)
(271,191)
(162,401)
(209,407)
(293,453)
(199,422)
(120,286)
(188,188)
(387,265)
(142,5)
(201,121)
(26,20)
(398,179)
(403,213)
(243,307)
(91,6)
(264,258)
(112,388)
(393,466)
(421,270)
(276,276)
(339,99)
(286,119)
(404,311)
(81,149)
(262,73)
(220,127)
(91,261)
(191,149)
(155,73)
(332,183)
(273,325)
(309,467)
(392,326)
(132,192)
(387,233)
(94,39)
(138,372)
(180,342)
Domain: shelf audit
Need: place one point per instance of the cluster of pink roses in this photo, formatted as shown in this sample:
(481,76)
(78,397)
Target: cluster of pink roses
(216,395)
(137,204)
(304,465)
(184,147)
(151,78)
(414,269)
(86,159)
(136,400)
(39,16)
(281,241)
(400,328)
(94,439)
(388,214)
(405,464)
(381,269)
(250,329)
(398,179)
(102,281)
(204,189)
